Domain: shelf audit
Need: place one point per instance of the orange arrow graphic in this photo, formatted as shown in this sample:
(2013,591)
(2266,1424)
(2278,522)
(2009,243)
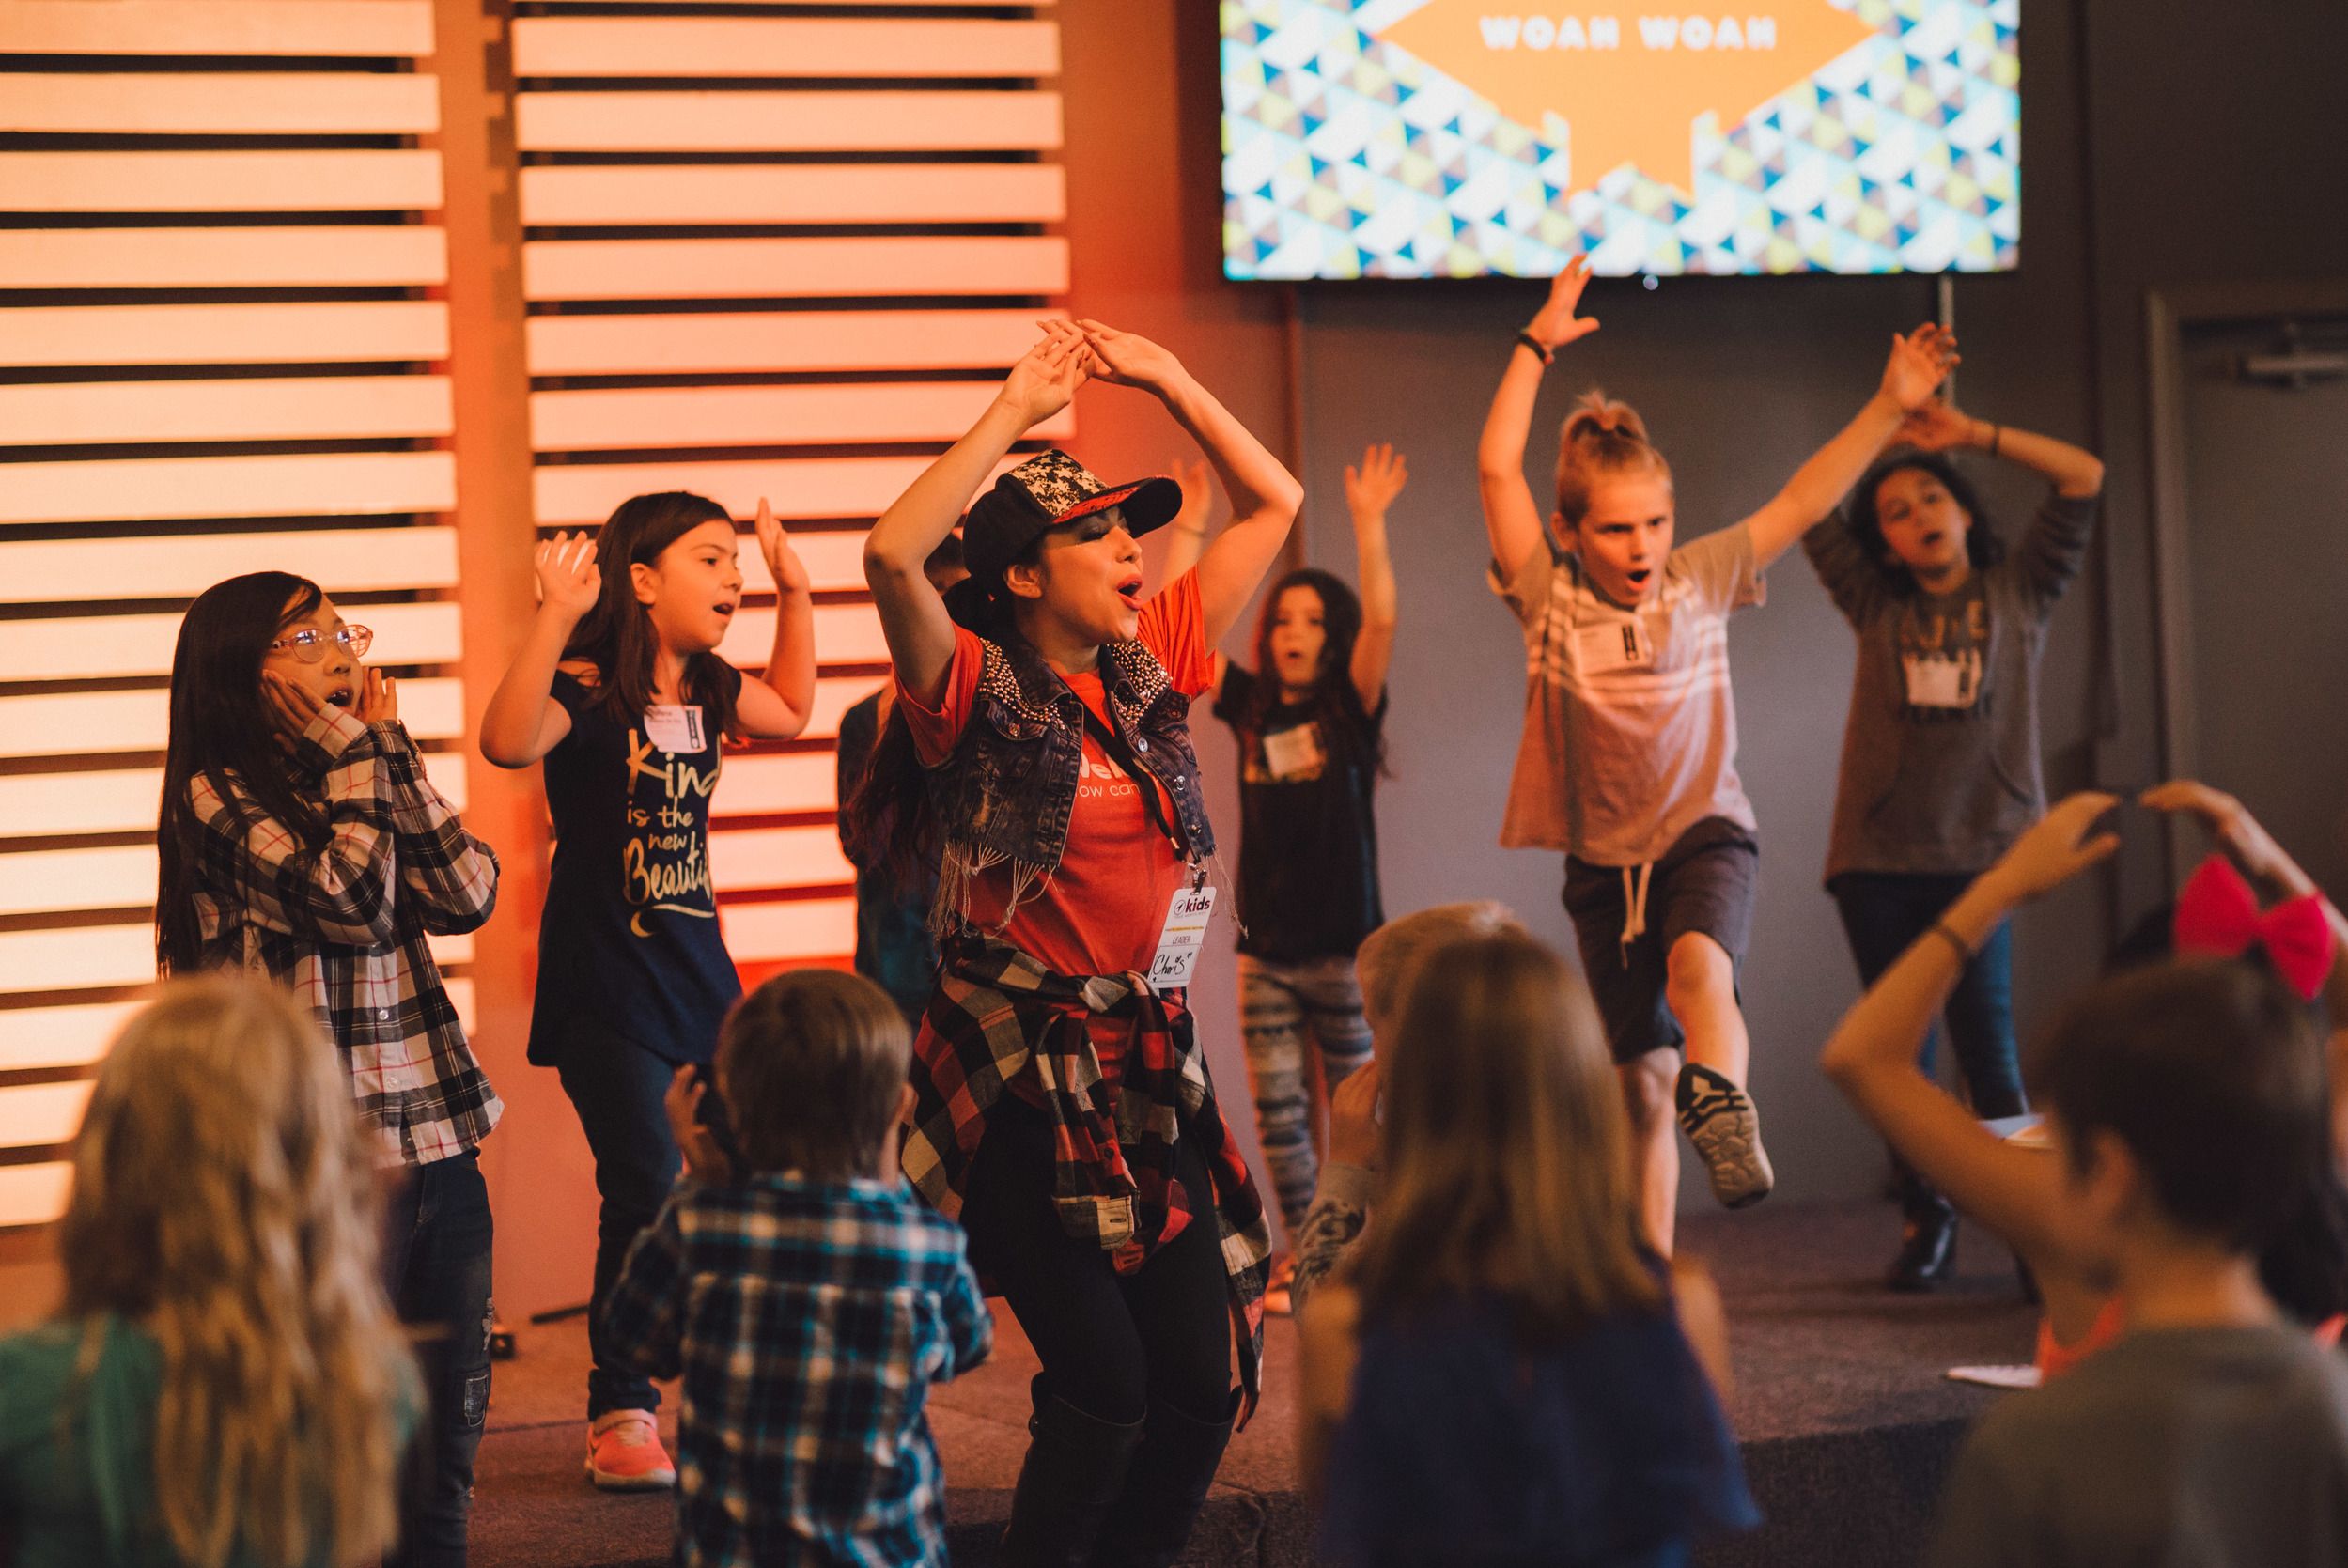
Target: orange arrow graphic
(1630,82)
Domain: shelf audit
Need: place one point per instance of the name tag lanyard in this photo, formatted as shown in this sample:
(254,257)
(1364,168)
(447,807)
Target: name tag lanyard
(1185,934)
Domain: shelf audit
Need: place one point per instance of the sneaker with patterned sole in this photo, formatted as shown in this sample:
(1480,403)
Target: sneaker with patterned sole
(1720,1121)
(624,1453)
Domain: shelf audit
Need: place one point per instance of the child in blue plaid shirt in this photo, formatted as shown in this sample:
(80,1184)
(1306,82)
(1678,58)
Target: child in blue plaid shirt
(808,1301)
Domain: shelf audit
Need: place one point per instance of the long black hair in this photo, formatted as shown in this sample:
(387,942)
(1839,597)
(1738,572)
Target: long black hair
(888,823)
(1983,546)
(616,636)
(221,731)
(1334,701)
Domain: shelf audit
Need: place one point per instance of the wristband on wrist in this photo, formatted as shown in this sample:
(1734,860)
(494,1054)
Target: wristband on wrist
(1547,355)
(1940,928)
(1996,435)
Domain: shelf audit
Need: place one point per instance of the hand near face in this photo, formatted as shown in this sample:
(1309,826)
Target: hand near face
(292,708)
(774,543)
(568,583)
(379,699)
(1935,426)
(704,1161)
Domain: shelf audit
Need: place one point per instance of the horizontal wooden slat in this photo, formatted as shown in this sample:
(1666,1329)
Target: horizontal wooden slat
(391,28)
(805,415)
(124,799)
(223,102)
(45,882)
(66,723)
(782,46)
(335,484)
(39,1115)
(180,566)
(290,182)
(34,1194)
(781,269)
(46,1038)
(791,780)
(322,408)
(834,561)
(744,857)
(821,122)
(776,341)
(367,254)
(794,194)
(572,494)
(290,334)
(845,635)
(86,647)
(85,957)
(799,930)
(834,695)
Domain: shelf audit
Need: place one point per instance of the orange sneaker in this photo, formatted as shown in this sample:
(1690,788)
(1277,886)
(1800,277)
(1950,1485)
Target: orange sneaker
(624,1453)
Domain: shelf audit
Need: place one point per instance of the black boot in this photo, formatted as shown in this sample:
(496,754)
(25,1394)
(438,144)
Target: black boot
(1074,1471)
(1927,1253)
(1165,1489)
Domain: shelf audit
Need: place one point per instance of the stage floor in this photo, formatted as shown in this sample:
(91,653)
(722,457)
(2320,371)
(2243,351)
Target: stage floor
(1846,1420)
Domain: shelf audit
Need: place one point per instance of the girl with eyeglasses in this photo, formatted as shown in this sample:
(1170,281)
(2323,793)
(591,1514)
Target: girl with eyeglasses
(299,840)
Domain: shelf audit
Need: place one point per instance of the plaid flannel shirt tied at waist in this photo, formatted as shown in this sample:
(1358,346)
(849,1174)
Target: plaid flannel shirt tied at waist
(1000,1022)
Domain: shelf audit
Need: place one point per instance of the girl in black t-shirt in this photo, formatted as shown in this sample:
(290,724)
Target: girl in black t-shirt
(619,687)
(1309,720)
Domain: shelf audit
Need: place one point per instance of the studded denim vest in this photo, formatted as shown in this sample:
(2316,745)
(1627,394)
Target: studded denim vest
(1005,794)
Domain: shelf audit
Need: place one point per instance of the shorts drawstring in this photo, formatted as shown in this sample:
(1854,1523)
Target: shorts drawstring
(1635,880)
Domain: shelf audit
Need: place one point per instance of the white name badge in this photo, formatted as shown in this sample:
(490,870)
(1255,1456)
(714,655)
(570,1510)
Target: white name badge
(1615,645)
(676,726)
(1937,681)
(1294,754)
(1185,937)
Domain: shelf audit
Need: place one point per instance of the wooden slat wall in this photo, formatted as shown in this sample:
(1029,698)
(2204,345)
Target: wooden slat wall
(770,254)
(213,358)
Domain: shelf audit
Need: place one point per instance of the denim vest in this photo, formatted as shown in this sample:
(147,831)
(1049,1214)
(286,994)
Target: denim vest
(1005,794)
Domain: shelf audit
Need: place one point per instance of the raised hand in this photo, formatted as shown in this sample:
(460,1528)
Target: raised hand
(2231,823)
(704,1161)
(1128,359)
(774,543)
(291,709)
(2056,848)
(1353,1119)
(1920,362)
(1373,487)
(1935,426)
(1045,379)
(379,699)
(1555,324)
(569,582)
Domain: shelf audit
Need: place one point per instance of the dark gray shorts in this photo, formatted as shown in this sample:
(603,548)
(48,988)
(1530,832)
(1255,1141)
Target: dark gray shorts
(1706,881)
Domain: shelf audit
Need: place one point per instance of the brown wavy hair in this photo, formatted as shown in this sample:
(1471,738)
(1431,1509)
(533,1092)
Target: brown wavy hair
(1507,1159)
(1602,437)
(224,1200)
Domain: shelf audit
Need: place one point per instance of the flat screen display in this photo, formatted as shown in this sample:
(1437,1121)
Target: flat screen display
(1469,138)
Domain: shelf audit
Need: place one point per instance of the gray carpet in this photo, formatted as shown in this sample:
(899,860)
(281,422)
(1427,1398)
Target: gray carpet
(1847,1421)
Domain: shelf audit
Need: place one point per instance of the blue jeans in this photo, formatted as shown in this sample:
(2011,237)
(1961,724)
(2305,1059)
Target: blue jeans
(617,1087)
(1883,912)
(436,1266)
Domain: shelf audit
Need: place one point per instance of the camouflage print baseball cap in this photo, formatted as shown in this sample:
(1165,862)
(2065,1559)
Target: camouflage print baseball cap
(1047,491)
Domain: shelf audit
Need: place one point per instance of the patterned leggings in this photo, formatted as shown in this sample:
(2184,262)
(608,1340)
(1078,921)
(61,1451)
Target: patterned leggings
(1279,1004)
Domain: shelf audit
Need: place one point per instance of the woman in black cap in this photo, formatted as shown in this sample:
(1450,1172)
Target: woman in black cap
(1038,757)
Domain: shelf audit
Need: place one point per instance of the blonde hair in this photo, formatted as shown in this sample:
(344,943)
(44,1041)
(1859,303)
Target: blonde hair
(224,1200)
(1506,1157)
(1390,955)
(1601,437)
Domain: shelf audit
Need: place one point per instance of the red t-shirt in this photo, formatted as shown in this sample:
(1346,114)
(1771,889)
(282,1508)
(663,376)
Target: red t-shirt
(1103,910)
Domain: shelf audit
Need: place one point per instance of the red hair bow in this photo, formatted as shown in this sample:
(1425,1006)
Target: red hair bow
(2217,913)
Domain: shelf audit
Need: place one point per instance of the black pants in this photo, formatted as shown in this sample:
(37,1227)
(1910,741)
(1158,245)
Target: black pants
(436,1266)
(617,1087)
(1112,1344)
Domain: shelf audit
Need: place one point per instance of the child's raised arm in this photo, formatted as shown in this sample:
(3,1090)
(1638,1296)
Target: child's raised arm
(523,722)
(1937,427)
(1919,362)
(1511,515)
(1264,496)
(914,615)
(777,705)
(1871,1055)
(1368,491)
(451,875)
